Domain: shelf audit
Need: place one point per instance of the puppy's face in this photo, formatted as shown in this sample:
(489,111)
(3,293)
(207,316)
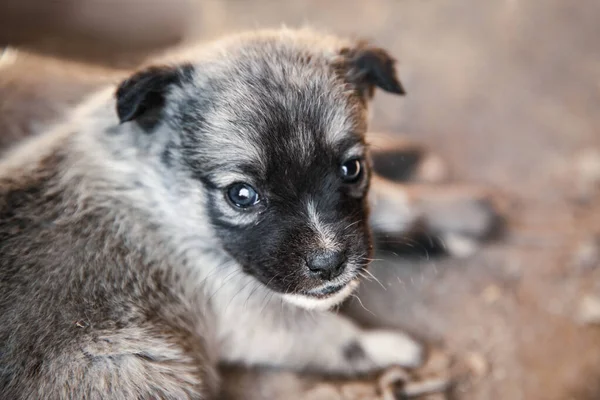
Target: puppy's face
(274,133)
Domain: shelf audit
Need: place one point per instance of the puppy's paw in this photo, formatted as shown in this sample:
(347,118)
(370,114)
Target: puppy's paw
(387,348)
(380,349)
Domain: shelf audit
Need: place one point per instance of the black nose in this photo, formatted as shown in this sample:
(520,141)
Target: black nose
(327,264)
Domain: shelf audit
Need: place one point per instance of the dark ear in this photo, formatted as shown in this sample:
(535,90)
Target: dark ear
(142,96)
(371,67)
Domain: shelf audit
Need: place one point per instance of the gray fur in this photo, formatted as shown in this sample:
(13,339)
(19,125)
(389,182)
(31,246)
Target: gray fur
(113,280)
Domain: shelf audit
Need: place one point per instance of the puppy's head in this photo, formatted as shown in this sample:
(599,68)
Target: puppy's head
(272,126)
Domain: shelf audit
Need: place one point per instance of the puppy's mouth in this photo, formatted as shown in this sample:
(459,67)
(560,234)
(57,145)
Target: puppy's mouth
(327,290)
(323,298)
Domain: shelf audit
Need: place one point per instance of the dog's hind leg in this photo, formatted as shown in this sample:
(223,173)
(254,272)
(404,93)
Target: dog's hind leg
(417,218)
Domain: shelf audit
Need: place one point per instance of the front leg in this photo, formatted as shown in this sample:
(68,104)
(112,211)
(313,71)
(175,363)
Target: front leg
(285,336)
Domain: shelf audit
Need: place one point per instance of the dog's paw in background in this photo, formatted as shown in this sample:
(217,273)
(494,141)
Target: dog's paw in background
(417,211)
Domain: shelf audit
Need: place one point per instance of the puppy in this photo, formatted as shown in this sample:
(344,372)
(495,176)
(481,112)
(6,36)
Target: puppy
(190,217)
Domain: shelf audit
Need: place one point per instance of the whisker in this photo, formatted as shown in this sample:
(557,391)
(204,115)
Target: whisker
(352,224)
(375,279)
(366,277)
(362,305)
(373,259)
(238,292)
(229,276)
(267,301)
(258,286)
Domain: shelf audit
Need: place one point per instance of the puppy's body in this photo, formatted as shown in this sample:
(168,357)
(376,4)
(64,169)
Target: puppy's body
(85,313)
(131,262)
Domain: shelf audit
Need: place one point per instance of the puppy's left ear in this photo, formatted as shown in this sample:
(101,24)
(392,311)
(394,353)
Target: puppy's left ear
(369,67)
(141,97)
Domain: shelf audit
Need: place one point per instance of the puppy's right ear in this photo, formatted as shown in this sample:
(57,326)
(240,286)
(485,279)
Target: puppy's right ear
(369,66)
(142,96)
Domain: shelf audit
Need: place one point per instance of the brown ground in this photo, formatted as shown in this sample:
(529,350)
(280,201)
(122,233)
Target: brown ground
(507,92)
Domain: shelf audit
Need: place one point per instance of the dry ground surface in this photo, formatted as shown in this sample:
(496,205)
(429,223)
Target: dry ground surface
(508,91)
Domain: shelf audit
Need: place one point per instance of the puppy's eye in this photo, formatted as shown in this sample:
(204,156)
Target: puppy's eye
(242,195)
(351,171)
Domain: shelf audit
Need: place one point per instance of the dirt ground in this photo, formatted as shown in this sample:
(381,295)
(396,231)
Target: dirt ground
(507,91)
